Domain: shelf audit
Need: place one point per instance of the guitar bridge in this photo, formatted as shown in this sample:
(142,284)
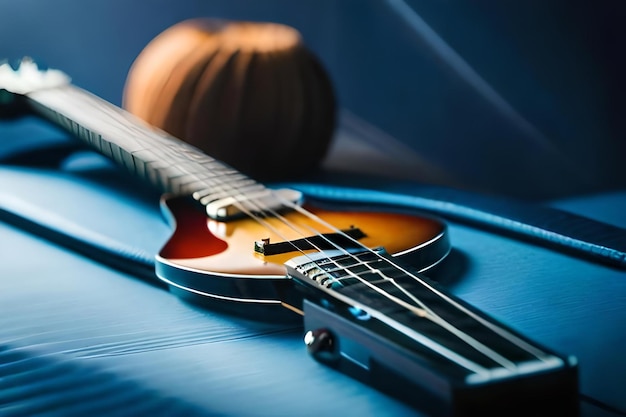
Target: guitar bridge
(327,241)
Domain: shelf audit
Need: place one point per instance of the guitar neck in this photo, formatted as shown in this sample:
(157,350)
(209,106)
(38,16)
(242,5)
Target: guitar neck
(166,162)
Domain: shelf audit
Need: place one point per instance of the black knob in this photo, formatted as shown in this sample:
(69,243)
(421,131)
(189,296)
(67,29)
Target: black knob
(321,344)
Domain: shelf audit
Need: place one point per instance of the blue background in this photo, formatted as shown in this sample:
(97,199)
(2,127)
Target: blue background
(522,98)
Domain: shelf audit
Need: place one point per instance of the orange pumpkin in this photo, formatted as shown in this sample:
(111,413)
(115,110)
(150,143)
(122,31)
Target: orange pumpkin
(249,94)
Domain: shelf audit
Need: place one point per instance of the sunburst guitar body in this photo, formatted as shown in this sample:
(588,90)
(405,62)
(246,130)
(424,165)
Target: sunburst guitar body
(242,261)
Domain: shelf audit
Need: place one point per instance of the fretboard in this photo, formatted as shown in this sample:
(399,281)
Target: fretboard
(166,162)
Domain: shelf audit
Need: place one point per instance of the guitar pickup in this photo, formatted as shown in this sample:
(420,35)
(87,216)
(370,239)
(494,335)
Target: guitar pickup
(257,202)
(327,241)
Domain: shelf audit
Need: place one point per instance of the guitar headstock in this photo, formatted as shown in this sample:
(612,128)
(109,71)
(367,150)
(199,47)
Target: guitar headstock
(27,77)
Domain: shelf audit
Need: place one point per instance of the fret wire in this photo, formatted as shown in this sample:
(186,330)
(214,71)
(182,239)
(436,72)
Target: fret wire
(139,145)
(379,272)
(156,173)
(241,191)
(414,299)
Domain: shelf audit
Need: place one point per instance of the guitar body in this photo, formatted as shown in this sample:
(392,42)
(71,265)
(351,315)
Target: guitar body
(218,261)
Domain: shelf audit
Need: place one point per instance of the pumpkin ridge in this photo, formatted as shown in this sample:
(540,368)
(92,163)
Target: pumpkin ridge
(248,94)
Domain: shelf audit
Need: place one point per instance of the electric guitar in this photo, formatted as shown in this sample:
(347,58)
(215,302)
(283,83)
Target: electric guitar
(355,277)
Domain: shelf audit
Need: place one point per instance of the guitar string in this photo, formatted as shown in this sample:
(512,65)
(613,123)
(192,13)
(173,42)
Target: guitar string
(436,318)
